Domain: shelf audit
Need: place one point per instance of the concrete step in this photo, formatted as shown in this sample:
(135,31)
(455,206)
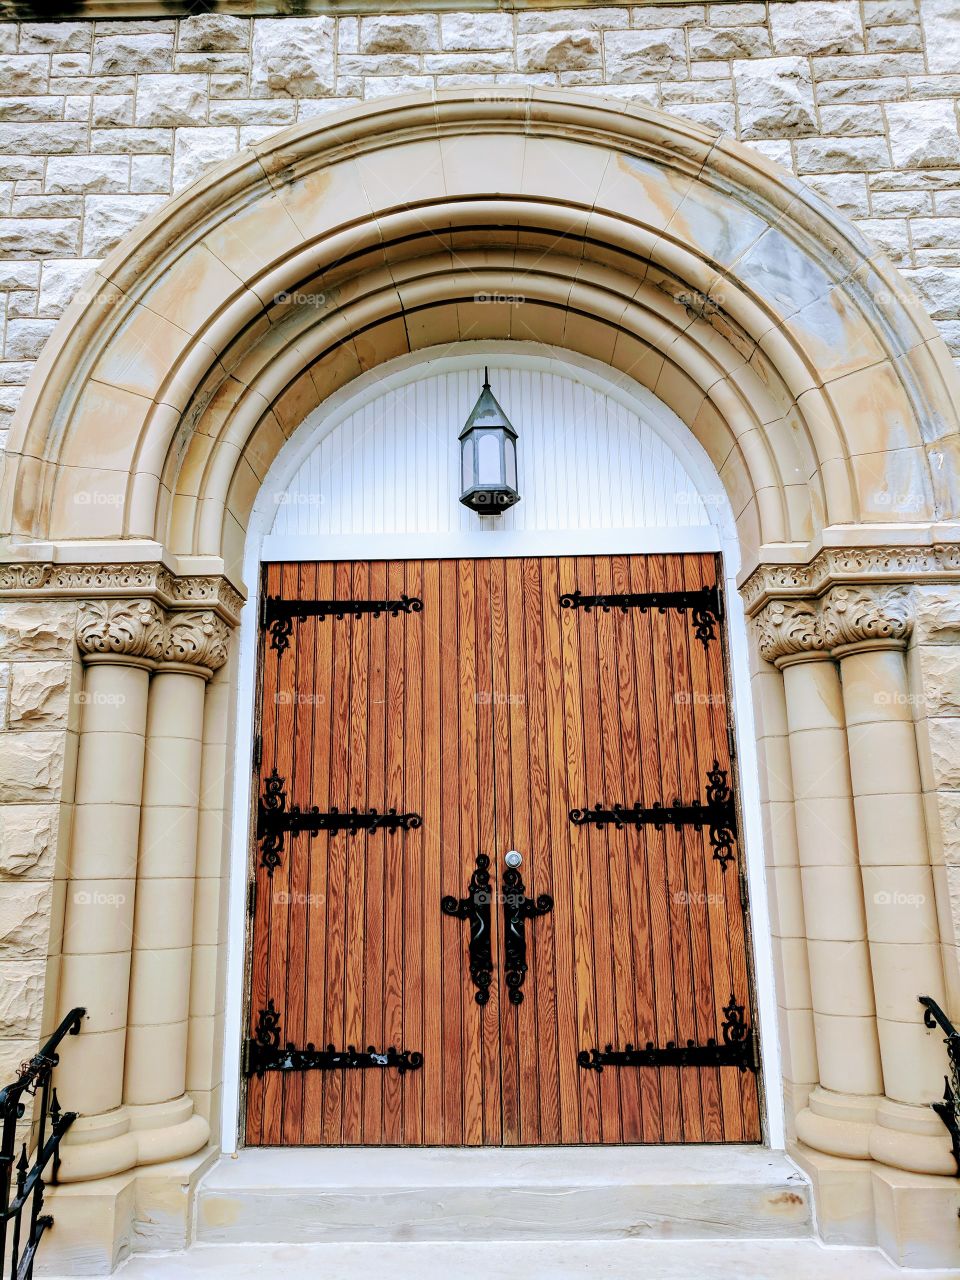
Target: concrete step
(314,1196)
(531,1260)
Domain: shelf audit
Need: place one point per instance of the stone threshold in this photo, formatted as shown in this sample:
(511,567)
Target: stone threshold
(316,1196)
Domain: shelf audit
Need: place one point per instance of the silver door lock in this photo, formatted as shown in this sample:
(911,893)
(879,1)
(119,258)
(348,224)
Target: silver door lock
(513,859)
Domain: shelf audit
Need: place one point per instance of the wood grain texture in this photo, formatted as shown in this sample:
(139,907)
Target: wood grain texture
(493,713)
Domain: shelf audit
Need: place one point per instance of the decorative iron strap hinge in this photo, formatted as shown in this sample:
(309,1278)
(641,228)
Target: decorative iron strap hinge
(264,1053)
(279,615)
(738,1049)
(704,603)
(718,814)
(274,820)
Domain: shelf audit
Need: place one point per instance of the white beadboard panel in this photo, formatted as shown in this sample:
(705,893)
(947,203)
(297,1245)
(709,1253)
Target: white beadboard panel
(586,461)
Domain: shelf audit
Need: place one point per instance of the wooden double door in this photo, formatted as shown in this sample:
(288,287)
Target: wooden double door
(416,716)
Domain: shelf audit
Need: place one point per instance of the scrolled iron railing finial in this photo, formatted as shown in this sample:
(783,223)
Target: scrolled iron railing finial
(23,1210)
(949,1108)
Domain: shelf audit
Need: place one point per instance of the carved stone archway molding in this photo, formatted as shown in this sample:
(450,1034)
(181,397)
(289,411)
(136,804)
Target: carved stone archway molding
(841,566)
(50,581)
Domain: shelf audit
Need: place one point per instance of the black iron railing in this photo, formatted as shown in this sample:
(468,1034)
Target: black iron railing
(21,1221)
(949,1109)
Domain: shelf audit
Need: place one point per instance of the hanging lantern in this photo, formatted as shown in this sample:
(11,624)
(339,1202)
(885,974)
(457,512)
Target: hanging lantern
(488,457)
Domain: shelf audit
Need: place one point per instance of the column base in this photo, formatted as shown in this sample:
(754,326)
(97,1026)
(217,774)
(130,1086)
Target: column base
(839,1124)
(105,1145)
(911,1138)
(97,1225)
(912,1217)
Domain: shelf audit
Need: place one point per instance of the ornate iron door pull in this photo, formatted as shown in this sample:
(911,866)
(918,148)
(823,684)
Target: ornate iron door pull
(517,909)
(738,1049)
(475,908)
(274,819)
(263,1053)
(718,815)
(705,604)
(279,615)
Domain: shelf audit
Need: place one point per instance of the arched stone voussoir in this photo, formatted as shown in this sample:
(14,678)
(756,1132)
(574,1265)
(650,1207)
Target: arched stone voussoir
(649,242)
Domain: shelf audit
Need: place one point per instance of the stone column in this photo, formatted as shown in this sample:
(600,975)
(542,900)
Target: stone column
(840,1111)
(162,1112)
(867,630)
(120,642)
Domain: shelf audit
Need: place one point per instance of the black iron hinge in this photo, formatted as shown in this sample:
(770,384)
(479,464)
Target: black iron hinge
(279,615)
(251,897)
(718,814)
(264,1052)
(274,820)
(737,1048)
(257,750)
(705,604)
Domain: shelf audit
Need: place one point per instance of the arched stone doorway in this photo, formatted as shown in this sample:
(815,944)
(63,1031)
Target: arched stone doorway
(784,341)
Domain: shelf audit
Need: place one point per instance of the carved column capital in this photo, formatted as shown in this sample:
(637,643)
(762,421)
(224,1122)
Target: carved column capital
(785,628)
(196,637)
(856,614)
(132,629)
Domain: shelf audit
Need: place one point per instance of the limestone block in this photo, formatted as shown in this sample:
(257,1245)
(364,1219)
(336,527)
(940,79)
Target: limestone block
(113,108)
(31,766)
(109,218)
(41,236)
(39,695)
(61,282)
(130,142)
(940,20)
(460,31)
(26,73)
(292,57)
(944,809)
(668,15)
(24,920)
(924,134)
(729,42)
(944,739)
(132,54)
(558,51)
(21,997)
(839,155)
(196,150)
(817,28)
(36,630)
(939,673)
(774,97)
(213,33)
(411,33)
(644,55)
(52,139)
(171,100)
(28,840)
(13,1053)
(25,338)
(55,37)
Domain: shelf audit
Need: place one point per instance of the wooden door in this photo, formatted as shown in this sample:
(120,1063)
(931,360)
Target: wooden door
(492,708)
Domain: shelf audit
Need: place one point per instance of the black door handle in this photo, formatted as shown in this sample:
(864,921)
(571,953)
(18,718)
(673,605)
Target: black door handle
(517,910)
(475,907)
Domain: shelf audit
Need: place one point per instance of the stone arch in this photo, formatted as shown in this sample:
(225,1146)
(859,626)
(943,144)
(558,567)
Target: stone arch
(785,341)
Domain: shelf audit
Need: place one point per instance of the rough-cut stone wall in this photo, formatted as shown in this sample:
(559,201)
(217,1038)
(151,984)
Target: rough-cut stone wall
(100,122)
(39,713)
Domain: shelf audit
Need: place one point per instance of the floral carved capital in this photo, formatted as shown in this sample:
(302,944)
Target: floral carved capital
(786,627)
(197,637)
(127,628)
(851,615)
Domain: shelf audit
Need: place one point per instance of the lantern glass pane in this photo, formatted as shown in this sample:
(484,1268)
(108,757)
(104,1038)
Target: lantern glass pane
(489,468)
(510,460)
(466,463)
